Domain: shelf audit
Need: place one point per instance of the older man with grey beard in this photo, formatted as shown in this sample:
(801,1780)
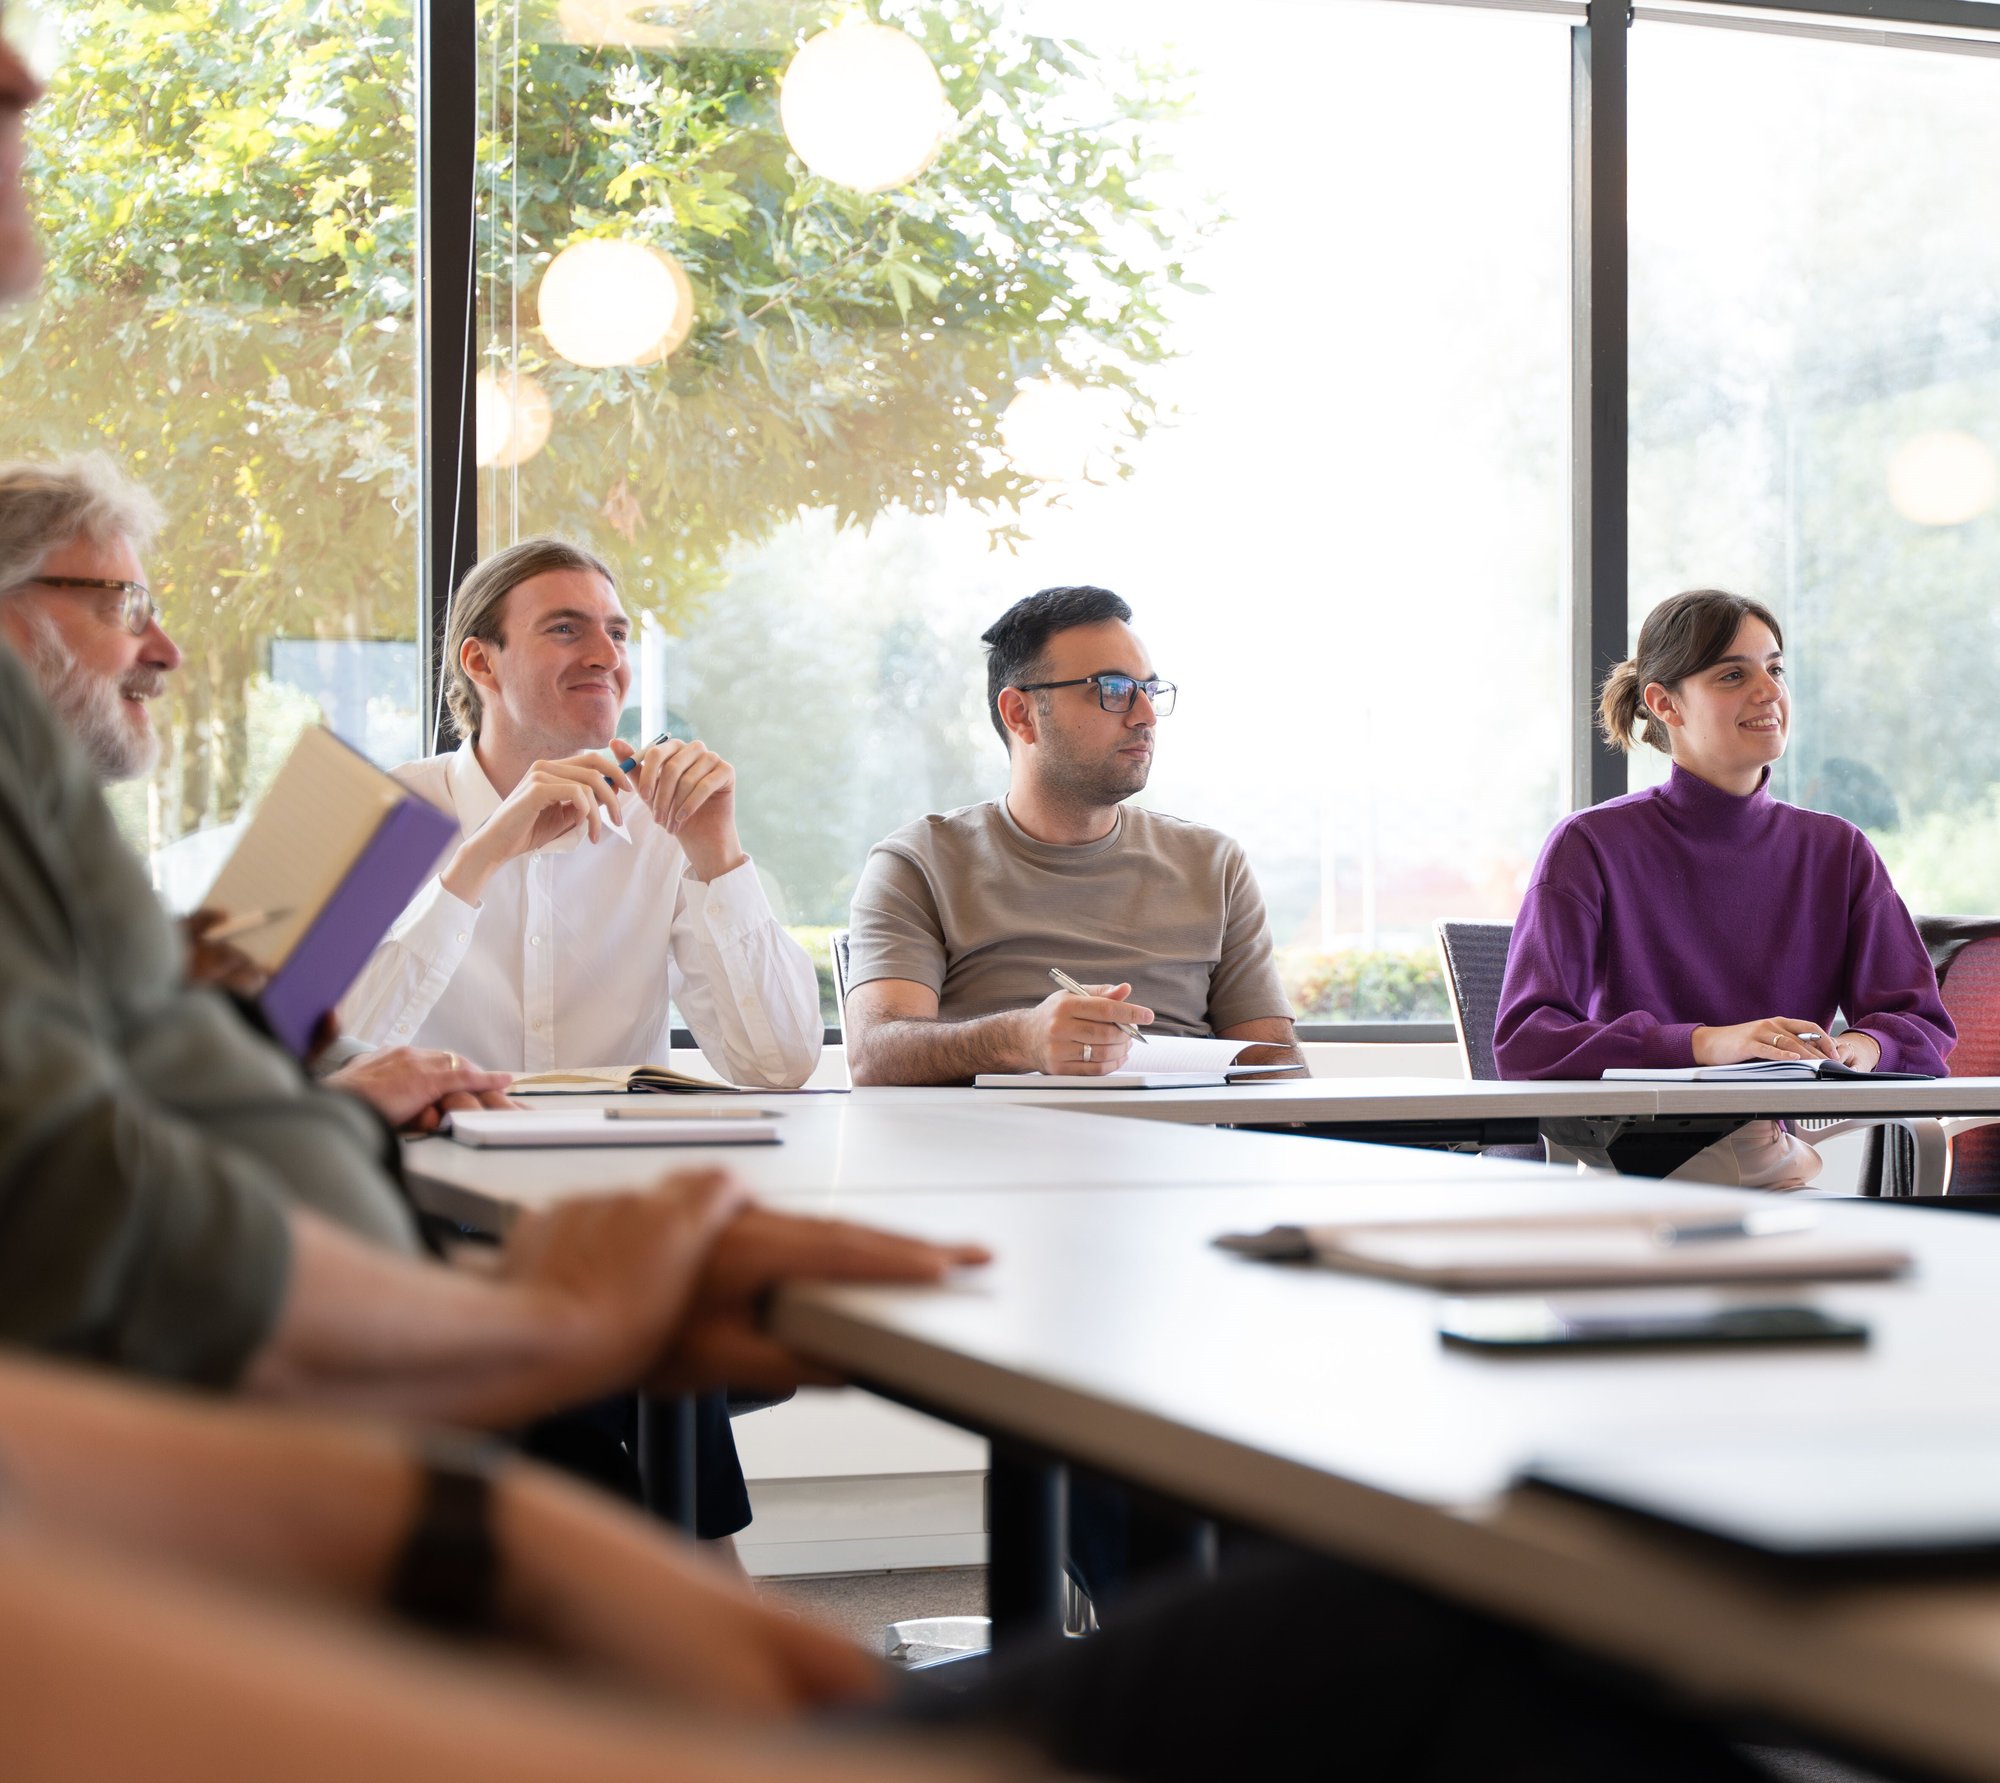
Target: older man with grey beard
(75,606)
(74,603)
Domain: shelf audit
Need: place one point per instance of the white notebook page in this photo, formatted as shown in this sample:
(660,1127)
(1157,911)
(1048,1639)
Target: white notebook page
(320,813)
(1184,1052)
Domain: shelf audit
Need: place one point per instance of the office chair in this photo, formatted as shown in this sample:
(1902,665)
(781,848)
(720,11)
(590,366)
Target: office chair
(1475,966)
(1957,1154)
(836,948)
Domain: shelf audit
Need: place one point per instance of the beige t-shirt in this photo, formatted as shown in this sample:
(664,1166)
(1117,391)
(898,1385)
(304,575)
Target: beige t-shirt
(972,906)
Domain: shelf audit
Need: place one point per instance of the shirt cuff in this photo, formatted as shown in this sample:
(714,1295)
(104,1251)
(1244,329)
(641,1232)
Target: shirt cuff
(732,904)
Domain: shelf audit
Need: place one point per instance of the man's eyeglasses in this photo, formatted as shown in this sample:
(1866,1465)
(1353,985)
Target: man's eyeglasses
(137,609)
(1114,692)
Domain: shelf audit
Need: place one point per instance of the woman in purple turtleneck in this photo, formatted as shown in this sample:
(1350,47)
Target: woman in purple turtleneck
(1703,922)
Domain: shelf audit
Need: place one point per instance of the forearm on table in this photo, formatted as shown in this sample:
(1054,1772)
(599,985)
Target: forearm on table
(919,1050)
(300,1501)
(1274,1034)
(366,1329)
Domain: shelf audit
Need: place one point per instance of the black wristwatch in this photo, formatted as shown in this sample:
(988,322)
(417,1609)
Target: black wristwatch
(447,1577)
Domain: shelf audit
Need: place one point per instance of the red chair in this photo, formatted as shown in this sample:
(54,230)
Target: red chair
(1959,1154)
(1970,985)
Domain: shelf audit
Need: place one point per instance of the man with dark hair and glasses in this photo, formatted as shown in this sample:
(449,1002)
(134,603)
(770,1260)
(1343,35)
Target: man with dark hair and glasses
(959,918)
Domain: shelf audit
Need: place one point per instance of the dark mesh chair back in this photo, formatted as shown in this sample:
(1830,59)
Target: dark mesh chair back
(836,947)
(1475,963)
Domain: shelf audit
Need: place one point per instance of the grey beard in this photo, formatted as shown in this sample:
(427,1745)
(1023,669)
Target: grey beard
(90,705)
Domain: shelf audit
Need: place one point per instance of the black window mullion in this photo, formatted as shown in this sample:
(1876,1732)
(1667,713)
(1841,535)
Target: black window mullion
(447,132)
(1600,530)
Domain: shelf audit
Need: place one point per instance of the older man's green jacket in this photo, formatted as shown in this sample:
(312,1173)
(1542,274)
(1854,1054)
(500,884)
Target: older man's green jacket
(151,1145)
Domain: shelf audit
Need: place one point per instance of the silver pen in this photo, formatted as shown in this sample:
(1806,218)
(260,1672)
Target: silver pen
(1070,984)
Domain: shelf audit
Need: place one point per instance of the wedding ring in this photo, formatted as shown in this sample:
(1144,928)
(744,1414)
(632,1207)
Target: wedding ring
(1086,1052)
(451,1061)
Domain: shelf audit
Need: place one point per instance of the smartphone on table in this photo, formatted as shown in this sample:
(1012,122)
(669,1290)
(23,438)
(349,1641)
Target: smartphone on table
(1535,1322)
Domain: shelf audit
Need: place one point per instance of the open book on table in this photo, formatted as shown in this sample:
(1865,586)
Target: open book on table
(1759,1071)
(334,852)
(605,1080)
(1160,1061)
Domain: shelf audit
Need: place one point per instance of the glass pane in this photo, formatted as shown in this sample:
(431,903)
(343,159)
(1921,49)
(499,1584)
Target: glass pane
(1262,326)
(1816,409)
(226,205)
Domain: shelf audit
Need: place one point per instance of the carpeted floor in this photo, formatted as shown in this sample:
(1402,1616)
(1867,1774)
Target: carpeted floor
(865,1603)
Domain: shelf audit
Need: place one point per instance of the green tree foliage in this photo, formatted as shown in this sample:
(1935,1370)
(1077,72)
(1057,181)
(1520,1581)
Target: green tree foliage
(852,352)
(227,197)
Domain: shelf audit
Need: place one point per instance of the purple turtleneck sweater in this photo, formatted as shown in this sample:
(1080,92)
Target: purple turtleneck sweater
(1685,906)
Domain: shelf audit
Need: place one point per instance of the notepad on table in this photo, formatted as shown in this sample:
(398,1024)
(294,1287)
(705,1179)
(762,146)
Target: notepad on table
(1759,1071)
(511,1128)
(335,850)
(1593,1248)
(1865,1492)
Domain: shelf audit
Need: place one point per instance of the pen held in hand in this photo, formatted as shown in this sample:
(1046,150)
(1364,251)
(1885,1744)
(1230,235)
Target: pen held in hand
(246,924)
(628,763)
(1070,984)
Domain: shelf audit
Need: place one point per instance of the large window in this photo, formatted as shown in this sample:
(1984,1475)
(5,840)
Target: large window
(226,201)
(1261,318)
(1262,325)
(1816,408)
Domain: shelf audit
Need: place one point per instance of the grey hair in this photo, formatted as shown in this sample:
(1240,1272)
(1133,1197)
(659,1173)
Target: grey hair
(475,610)
(44,507)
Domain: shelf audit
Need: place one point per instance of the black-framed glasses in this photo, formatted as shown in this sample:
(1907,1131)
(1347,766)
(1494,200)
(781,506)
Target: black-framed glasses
(137,607)
(1114,692)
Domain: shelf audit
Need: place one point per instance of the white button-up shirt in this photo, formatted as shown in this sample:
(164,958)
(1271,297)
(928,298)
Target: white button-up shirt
(571,956)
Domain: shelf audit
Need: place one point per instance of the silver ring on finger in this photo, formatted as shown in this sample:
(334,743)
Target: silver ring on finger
(1086,1052)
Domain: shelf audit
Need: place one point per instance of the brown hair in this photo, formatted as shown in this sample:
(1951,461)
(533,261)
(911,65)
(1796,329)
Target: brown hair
(475,611)
(1683,635)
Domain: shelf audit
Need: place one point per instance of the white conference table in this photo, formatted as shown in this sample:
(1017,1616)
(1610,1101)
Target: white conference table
(1323,1408)
(1417,1102)
(906,1143)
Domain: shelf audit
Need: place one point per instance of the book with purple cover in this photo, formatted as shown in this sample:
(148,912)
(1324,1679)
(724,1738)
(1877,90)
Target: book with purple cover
(335,851)
(329,956)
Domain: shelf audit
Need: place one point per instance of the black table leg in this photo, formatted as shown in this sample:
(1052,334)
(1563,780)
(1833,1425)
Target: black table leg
(1025,1492)
(666,1458)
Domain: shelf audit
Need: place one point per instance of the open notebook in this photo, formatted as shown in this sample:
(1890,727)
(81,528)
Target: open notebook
(1161,1061)
(1759,1071)
(335,850)
(611,1079)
